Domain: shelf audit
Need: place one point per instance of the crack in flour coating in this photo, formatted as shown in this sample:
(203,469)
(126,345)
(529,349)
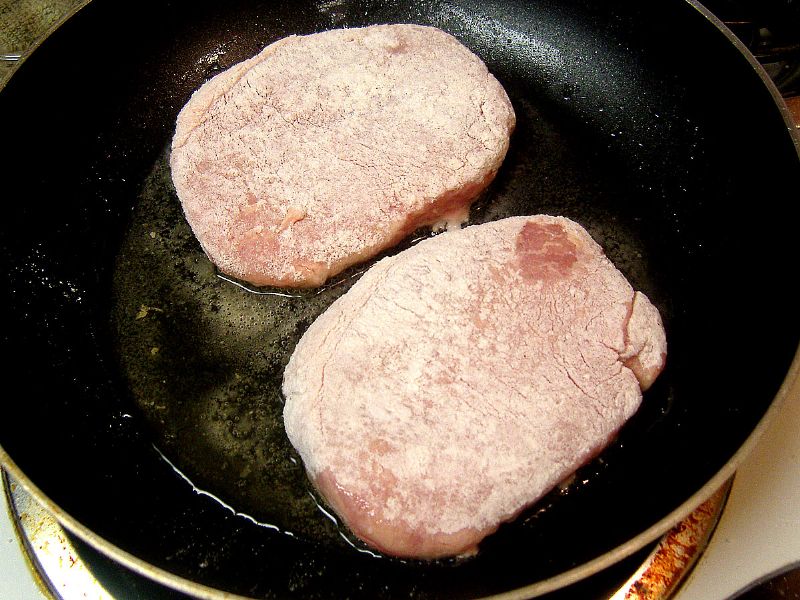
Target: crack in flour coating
(460,380)
(325,149)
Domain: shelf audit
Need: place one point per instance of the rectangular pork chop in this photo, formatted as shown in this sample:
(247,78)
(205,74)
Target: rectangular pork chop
(325,149)
(460,380)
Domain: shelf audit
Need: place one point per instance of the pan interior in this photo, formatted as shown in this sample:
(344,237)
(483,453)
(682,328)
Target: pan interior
(142,361)
(204,355)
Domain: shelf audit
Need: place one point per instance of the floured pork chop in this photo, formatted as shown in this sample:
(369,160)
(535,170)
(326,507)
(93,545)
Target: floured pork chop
(460,380)
(325,149)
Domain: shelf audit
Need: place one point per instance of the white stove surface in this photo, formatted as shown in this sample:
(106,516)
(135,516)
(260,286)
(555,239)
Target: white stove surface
(16,579)
(759,532)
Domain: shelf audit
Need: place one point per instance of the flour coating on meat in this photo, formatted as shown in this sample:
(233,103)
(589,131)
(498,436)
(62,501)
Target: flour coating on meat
(460,380)
(325,149)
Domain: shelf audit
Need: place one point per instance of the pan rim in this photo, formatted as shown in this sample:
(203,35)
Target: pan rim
(40,40)
(561,580)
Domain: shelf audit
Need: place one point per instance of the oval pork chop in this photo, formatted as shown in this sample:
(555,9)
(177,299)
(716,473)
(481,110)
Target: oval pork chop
(325,149)
(460,380)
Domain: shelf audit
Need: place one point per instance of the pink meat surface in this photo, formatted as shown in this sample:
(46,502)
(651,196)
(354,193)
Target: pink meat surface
(325,149)
(457,382)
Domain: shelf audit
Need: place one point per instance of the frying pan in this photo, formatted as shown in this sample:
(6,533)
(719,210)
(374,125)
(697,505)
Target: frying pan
(142,403)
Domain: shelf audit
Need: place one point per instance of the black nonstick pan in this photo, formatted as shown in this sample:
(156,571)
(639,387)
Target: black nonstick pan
(142,398)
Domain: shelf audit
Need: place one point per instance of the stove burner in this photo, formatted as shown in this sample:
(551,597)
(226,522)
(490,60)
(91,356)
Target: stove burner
(67,567)
(771,31)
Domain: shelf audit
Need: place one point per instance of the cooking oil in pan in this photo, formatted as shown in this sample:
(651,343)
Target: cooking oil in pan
(204,357)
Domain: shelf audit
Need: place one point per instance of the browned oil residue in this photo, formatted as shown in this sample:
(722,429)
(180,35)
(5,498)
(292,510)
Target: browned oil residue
(677,552)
